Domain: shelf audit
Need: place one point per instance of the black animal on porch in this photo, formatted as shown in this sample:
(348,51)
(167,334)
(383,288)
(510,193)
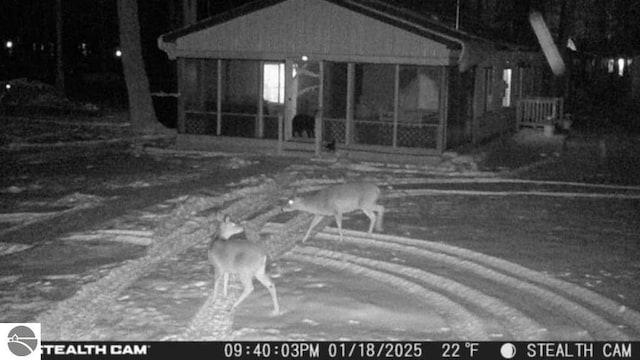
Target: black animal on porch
(330,146)
(303,126)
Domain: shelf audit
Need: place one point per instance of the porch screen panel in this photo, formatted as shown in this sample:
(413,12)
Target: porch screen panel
(305,86)
(210,85)
(199,94)
(335,102)
(525,81)
(240,97)
(190,85)
(419,106)
(273,85)
(373,103)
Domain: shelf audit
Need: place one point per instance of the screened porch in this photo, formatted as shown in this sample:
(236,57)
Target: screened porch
(391,106)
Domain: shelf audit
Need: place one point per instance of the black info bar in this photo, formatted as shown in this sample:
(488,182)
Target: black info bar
(344,350)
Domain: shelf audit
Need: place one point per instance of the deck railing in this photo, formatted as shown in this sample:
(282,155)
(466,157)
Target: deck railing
(539,111)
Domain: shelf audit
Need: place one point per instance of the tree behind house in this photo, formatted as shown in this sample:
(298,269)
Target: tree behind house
(141,112)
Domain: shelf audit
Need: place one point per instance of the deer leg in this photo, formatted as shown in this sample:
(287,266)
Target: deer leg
(216,282)
(226,283)
(247,285)
(372,219)
(339,223)
(266,281)
(380,210)
(314,222)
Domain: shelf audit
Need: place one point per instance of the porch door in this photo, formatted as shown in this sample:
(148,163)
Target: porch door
(273,96)
(302,100)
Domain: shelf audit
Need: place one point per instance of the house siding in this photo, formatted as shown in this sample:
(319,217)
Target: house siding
(314,28)
(402,89)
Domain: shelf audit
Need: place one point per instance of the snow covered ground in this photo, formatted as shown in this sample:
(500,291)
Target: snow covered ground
(111,244)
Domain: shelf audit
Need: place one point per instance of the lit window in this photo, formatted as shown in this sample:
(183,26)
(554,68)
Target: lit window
(506,77)
(273,83)
(620,67)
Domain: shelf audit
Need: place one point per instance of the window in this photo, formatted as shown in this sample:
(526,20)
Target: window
(273,84)
(506,77)
(488,88)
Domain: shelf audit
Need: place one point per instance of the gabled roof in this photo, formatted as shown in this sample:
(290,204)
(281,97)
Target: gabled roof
(473,47)
(388,12)
(218,19)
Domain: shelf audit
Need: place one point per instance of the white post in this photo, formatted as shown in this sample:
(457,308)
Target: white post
(280,133)
(219,98)
(317,131)
(396,105)
(290,95)
(349,126)
(260,125)
(441,141)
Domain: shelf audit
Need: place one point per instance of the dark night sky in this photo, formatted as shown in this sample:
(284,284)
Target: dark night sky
(30,24)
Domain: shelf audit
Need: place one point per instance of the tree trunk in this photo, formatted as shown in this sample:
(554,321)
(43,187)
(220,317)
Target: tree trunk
(189,12)
(141,113)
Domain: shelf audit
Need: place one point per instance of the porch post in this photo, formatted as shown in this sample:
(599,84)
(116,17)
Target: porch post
(441,141)
(181,94)
(219,98)
(200,70)
(349,126)
(396,104)
(260,124)
(280,134)
(320,112)
(289,106)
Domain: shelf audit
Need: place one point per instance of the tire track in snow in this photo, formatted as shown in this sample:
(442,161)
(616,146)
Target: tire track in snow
(586,308)
(575,195)
(77,316)
(623,315)
(592,312)
(464,324)
(517,325)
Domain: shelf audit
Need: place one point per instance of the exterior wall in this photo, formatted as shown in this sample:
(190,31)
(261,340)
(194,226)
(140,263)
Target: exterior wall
(491,117)
(317,29)
(395,108)
(323,31)
(463,106)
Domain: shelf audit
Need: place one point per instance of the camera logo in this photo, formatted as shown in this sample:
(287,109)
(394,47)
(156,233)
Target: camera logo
(20,341)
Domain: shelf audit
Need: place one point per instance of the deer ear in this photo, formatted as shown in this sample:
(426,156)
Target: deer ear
(223,217)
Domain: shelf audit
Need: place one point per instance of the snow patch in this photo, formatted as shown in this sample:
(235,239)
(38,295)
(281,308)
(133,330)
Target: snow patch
(79,200)
(13,190)
(10,248)
(135,237)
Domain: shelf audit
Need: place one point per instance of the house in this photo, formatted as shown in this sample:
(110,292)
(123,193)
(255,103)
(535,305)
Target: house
(379,78)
